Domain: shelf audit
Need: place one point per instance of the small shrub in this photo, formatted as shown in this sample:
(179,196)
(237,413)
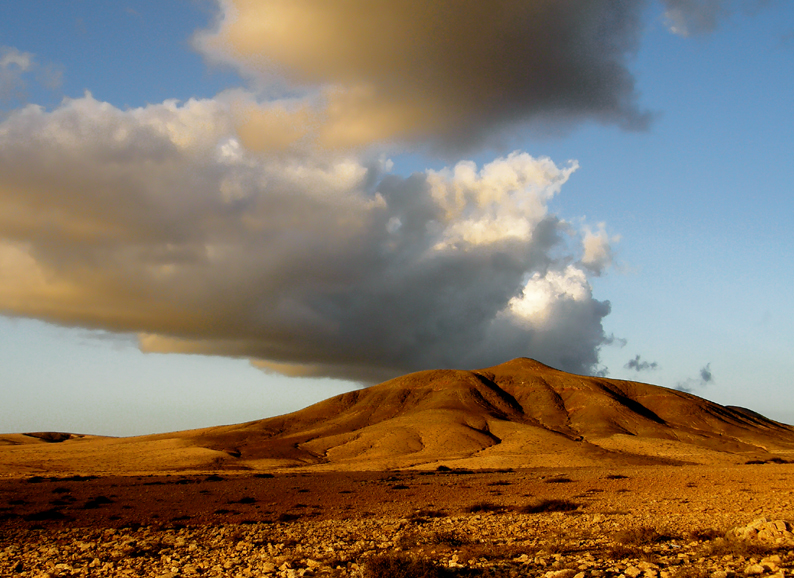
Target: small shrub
(616,477)
(449,538)
(45,515)
(706,534)
(693,572)
(558,480)
(778,461)
(287,517)
(722,547)
(484,507)
(401,566)
(621,551)
(550,506)
(408,540)
(499,483)
(423,515)
(495,551)
(639,536)
(79,478)
(244,500)
(96,502)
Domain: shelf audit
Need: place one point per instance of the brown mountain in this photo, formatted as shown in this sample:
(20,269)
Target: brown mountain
(518,414)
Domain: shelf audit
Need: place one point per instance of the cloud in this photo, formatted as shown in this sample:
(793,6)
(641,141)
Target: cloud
(688,17)
(157,221)
(417,70)
(598,249)
(693,17)
(640,365)
(16,68)
(704,378)
(13,66)
(705,374)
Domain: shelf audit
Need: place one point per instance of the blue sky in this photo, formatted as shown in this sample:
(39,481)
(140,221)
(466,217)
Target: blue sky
(688,218)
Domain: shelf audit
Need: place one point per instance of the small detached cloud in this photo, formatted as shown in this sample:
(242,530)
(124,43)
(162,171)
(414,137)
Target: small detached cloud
(639,364)
(17,68)
(704,378)
(13,67)
(598,249)
(693,17)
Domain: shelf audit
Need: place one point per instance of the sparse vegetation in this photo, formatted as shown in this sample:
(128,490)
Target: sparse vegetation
(484,507)
(449,538)
(401,566)
(769,461)
(549,506)
(423,515)
(97,502)
(560,480)
(639,536)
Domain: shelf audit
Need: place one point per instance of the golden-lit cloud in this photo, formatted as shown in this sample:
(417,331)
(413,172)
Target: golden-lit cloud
(157,221)
(450,72)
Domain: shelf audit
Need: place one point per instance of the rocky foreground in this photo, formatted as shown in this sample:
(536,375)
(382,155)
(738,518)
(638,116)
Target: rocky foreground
(644,523)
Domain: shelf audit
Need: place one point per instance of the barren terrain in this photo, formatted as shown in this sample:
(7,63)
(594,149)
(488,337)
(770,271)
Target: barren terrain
(647,520)
(517,470)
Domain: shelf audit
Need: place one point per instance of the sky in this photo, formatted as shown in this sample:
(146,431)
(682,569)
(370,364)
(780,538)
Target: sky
(218,211)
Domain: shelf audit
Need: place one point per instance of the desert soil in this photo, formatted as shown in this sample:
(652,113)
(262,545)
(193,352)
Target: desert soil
(610,522)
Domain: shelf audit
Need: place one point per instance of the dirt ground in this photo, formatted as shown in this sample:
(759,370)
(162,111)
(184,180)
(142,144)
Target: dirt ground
(719,495)
(560,523)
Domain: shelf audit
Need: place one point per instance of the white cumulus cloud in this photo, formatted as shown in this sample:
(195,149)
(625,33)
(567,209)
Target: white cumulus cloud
(158,221)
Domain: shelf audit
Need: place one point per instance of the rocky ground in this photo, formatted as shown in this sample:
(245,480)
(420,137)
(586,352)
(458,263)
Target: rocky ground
(574,523)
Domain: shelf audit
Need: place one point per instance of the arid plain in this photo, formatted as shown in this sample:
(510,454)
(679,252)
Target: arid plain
(514,470)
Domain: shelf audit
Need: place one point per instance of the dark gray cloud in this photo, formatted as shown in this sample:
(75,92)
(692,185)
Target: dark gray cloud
(419,70)
(638,364)
(704,378)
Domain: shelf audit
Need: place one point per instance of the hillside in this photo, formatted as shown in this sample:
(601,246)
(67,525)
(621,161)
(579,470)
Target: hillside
(518,414)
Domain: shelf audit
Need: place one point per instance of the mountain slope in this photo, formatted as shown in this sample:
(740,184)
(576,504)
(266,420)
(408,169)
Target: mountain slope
(521,412)
(518,414)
